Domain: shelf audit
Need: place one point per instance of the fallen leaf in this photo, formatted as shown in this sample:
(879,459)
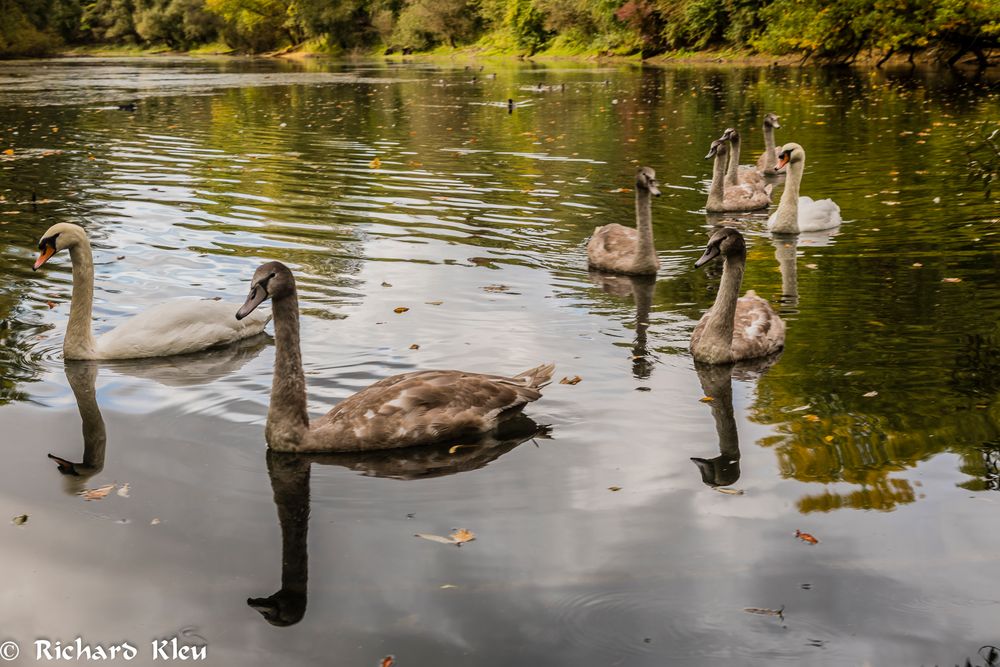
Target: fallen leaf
(154,522)
(9,151)
(614,488)
(385,284)
(462,536)
(20,519)
(387,661)
(952,280)
(765,612)
(433,303)
(496,288)
(121,257)
(447,586)
(573,380)
(123,491)
(97,494)
(812,266)
(401,309)
(806,537)
(728,492)
(811,418)
(706,399)
(870,394)
(50,304)
(414,347)
(917,265)
(375,164)
(828,438)
(435,538)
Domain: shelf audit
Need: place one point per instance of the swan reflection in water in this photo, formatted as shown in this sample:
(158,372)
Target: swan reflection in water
(717,383)
(640,288)
(290,472)
(179,371)
(786,250)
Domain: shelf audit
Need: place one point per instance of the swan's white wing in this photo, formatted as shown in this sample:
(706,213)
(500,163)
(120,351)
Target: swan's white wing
(758,330)
(181,326)
(817,215)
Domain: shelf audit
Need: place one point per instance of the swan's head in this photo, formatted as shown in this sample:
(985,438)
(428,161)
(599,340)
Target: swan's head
(726,242)
(645,179)
(730,135)
(273,280)
(791,153)
(718,148)
(58,237)
(771,120)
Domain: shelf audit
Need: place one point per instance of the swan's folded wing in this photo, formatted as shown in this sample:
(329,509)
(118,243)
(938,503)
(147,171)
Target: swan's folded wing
(423,407)
(758,330)
(180,326)
(818,215)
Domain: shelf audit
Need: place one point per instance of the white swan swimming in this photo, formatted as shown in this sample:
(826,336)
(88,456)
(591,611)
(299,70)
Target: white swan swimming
(178,326)
(418,408)
(734,328)
(800,214)
(619,249)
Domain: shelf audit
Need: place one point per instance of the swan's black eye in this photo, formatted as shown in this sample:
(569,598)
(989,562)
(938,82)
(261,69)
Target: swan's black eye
(48,242)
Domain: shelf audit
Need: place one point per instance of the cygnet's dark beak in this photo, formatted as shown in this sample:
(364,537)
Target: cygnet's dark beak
(711,252)
(258,295)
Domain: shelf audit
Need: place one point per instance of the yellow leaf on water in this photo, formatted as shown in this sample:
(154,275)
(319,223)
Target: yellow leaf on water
(706,399)
(811,418)
(375,164)
(98,493)
(462,535)
(828,438)
(9,151)
(401,309)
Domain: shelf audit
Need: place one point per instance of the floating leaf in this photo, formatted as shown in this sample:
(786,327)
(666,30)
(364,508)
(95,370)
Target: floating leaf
(387,661)
(123,491)
(9,151)
(435,538)
(496,288)
(952,280)
(780,613)
(573,380)
(375,164)
(433,303)
(20,519)
(828,438)
(154,522)
(811,418)
(445,587)
(50,304)
(614,488)
(414,347)
(385,284)
(728,492)
(401,309)
(462,536)
(806,537)
(870,394)
(98,493)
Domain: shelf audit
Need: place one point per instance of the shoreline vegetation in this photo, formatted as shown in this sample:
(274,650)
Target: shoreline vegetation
(953,32)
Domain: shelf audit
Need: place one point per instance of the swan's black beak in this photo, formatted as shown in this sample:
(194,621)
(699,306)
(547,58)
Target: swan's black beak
(258,295)
(654,188)
(712,151)
(775,124)
(711,252)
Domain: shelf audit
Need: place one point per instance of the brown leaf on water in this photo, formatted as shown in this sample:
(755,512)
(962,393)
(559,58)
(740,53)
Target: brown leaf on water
(433,303)
(98,493)
(20,519)
(401,309)
(728,492)
(806,537)
(765,612)
(571,380)
(414,347)
(614,488)
(461,536)
(387,661)
(50,304)
(385,284)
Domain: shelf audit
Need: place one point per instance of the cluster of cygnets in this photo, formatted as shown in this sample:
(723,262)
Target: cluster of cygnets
(735,328)
(425,407)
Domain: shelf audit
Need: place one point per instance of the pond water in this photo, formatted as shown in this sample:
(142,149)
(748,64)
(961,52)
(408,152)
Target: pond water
(877,430)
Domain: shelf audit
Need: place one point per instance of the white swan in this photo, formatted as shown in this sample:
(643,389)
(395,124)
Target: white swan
(734,328)
(175,327)
(800,214)
(723,198)
(619,249)
(418,408)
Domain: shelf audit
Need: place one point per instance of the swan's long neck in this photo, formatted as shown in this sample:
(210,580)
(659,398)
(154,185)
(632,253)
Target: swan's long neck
(287,418)
(769,147)
(786,218)
(719,329)
(645,253)
(734,161)
(716,192)
(79,342)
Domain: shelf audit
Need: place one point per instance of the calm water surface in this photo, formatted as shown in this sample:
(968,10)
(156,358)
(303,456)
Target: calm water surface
(877,431)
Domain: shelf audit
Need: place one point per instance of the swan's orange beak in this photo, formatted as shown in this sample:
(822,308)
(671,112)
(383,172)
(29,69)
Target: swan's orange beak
(44,256)
(783,160)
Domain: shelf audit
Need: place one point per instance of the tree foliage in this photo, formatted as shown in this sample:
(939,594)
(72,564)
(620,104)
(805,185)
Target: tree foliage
(834,30)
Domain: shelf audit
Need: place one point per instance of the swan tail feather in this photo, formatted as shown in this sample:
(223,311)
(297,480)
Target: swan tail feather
(539,376)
